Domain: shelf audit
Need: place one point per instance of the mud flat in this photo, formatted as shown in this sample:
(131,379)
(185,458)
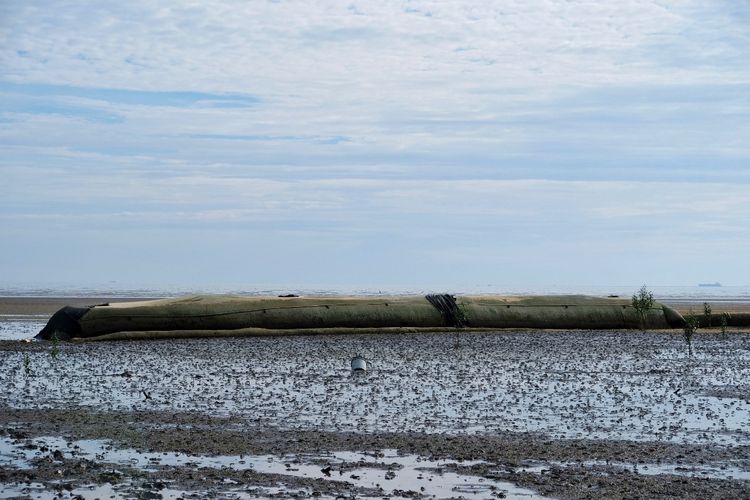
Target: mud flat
(567,414)
(46,306)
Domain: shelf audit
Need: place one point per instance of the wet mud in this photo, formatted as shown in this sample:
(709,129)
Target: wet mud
(564,414)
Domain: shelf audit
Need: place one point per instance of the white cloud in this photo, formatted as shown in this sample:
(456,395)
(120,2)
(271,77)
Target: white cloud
(347,202)
(381,51)
(487,129)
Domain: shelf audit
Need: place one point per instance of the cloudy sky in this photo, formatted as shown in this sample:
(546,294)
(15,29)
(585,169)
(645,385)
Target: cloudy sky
(519,143)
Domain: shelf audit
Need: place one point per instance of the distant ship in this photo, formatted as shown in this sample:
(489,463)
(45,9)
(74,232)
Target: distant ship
(716,283)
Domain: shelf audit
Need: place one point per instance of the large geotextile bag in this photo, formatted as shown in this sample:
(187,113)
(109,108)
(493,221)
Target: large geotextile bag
(235,315)
(566,311)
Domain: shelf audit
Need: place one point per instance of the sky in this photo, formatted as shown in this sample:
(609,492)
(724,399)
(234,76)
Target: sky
(505,144)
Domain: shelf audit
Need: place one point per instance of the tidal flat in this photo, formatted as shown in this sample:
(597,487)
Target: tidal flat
(514,414)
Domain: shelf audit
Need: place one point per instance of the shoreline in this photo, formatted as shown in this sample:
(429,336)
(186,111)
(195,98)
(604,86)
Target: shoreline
(25,305)
(20,306)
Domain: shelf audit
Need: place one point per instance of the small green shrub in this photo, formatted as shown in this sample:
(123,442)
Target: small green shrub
(707,313)
(461,321)
(723,322)
(691,325)
(55,346)
(642,302)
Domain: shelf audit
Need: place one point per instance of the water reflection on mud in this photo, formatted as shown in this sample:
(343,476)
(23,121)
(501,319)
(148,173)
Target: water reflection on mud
(387,471)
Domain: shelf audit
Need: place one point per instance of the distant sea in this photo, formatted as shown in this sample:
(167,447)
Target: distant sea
(664,293)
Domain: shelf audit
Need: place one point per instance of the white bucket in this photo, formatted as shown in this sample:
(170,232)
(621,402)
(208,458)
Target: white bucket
(359,364)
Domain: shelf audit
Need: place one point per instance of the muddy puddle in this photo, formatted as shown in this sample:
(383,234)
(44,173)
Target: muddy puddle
(42,491)
(99,468)
(387,472)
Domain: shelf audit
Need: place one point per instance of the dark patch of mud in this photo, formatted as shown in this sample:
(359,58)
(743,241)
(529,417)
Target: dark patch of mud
(729,392)
(206,435)
(67,476)
(607,482)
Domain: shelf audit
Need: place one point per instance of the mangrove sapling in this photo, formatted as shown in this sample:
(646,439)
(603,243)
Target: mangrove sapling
(691,325)
(26,364)
(55,346)
(461,321)
(642,302)
(724,321)
(707,314)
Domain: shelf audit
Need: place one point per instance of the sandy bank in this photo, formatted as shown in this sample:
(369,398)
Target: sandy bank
(48,305)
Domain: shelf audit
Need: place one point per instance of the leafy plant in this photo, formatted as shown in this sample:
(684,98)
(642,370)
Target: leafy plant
(55,346)
(461,321)
(462,318)
(707,313)
(723,322)
(689,329)
(642,302)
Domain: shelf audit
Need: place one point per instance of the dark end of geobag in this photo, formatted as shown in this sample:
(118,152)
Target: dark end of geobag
(64,324)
